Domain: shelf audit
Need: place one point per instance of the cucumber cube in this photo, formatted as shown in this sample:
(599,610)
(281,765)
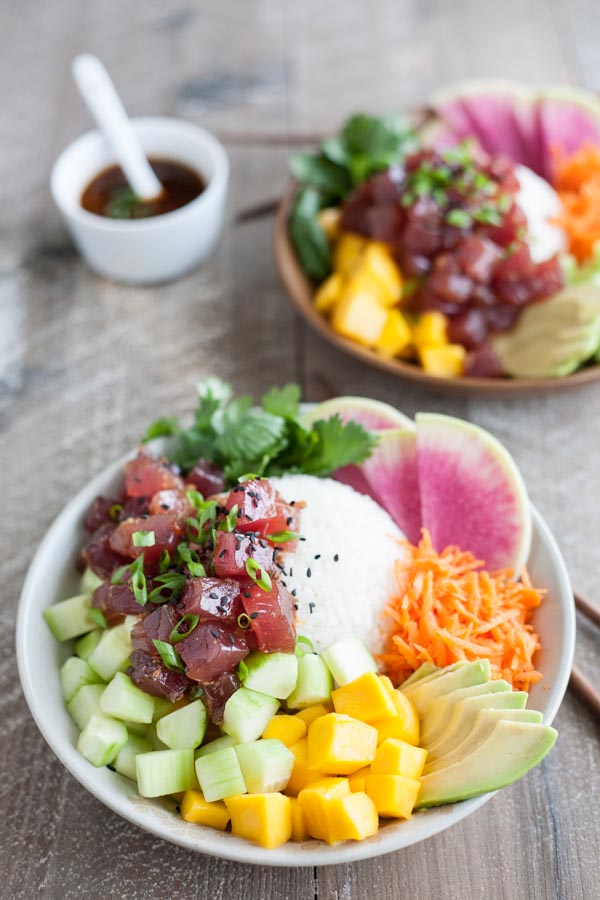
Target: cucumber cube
(220,775)
(162,707)
(266,765)
(314,684)
(101,740)
(183,728)
(124,700)
(112,653)
(219,744)
(86,645)
(247,714)
(163,772)
(274,674)
(154,739)
(136,728)
(89,582)
(69,618)
(125,761)
(74,673)
(85,704)
(348,659)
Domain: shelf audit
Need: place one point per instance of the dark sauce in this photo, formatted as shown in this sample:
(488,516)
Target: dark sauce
(109,195)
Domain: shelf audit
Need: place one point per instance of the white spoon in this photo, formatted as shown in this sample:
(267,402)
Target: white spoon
(99,93)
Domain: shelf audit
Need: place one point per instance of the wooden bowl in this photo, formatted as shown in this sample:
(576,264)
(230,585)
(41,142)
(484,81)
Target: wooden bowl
(301,290)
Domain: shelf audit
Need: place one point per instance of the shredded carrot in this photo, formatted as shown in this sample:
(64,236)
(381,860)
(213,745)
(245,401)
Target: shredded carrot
(577,180)
(448,608)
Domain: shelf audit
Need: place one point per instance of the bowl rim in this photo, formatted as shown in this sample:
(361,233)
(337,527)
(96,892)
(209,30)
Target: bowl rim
(301,290)
(202,839)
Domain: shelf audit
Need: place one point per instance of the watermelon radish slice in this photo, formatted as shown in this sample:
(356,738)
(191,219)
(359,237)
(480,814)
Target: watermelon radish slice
(472,494)
(392,475)
(374,415)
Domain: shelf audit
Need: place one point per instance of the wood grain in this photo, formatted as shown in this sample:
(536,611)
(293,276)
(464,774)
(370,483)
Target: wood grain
(85,364)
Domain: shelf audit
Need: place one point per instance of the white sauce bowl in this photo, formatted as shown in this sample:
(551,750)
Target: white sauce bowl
(159,248)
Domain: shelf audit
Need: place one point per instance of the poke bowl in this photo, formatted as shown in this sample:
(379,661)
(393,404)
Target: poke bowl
(456,246)
(53,576)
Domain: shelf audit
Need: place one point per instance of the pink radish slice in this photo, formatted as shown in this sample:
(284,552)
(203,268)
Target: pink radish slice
(392,474)
(374,415)
(472,494)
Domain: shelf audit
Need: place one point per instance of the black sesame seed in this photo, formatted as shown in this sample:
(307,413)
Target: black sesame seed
(292,503)
(164,506)
(275,552)
(222,554)
(247,594)
(289,521)
(336,557)
(240,513)
(213,595)
(254,615)
(294,593)
(112,768)
(214,632)
(317,556)
(291,572)
(311,606)
(231,638)
(295,606)
(308,573)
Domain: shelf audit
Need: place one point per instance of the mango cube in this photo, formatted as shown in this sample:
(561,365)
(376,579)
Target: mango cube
(443,362)
(395,757)
(287,729)
(310,713)
(339,745)
(329,292)
(299,831)
(329,220)
(362,281)
(194,808)
(430,330)
(352,818)
(360,316)
(315,803)
(405,725)
(393,795)
(377,259)
(358,780)
(348,253)
(366,698)
(396,336)
(263,818)
(301,776)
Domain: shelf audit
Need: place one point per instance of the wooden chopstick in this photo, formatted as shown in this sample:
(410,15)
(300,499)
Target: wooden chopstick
(257,210)
(585,690)
(589,609)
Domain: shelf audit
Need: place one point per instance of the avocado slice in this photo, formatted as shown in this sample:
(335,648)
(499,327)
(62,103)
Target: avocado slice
(509,752)
(424,692)
(424,669)
(437,718)
(464,715)
(485,722)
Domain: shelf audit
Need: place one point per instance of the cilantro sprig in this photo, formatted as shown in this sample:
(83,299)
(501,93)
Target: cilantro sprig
(266,440)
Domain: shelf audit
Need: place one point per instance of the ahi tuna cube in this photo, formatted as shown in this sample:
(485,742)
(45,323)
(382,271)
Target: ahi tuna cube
(271,617)
(146,475)
(217,693)
(167,534)
(151,675)
(99,555)
(212,598)
(211,650)
(158,625)
(233,550)
(255,500)
(206,477)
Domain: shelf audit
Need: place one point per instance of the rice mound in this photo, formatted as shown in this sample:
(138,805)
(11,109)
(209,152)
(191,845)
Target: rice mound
(343,597)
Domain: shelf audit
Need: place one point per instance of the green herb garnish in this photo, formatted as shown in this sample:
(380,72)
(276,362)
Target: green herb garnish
(125,204)
(258,574)
(189,619)
(169,656)
(282,537)
(169,587)
(303,646)
(459,218)
(243,621)
(143,539)
(97,617)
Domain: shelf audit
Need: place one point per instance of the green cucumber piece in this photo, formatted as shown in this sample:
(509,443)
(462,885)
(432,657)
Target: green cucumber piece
(162,707)
(219,744)
(125,760)
(247,714)
(161,772)
(112,653)
(274,674)
(101,740)
(183,728)
(266,765)
(85,704)
(86,645)
(220,775)
(69,618)
(123,700)
(314,684)
(89,582)
(348,659)
(74,673)
(154,739)
(136,728)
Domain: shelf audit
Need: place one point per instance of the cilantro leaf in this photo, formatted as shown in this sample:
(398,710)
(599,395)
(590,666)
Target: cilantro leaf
(161,428)
(321,173)
(308,236)
(284,401)
(252,436)
(336,445)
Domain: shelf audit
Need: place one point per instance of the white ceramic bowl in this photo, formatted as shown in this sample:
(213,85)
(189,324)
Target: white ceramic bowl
(52,577)
(159,248)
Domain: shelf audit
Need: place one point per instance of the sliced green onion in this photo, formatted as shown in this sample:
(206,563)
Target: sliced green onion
(258,574)
(196,570)
(115,511)
(97,617)
(164,561)
(230,520)
(143,538)
(243,671)
(170,587)
(169,656)
(195,498)
(282,537)
(243,621)
(304,646)
(139,585)
(487,215)
(248,476)
(460,218)
(117,576)
(191,559)
(189,619)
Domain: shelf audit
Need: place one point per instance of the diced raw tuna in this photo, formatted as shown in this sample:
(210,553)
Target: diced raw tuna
(170,501)
(207,478)
(99,513)
(211,649)
(271,617)
(167,535)
(158,625)
(255,500)
(146,475)
(212,598)
(99,555)
(134,507)
(151,675)
(100,600)
(232,550)
(217,693)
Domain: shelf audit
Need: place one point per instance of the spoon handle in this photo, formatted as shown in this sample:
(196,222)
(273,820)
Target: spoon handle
(103,102)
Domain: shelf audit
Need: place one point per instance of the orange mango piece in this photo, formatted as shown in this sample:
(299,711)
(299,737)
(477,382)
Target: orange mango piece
(339,745)
(396,757)
(263,818)
(394,796)
(366,698)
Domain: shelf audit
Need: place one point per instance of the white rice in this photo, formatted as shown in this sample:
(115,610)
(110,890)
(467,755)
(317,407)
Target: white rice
(344,597)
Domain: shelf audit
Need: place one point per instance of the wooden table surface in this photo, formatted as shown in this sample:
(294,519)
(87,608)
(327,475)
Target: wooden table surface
(86,364)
